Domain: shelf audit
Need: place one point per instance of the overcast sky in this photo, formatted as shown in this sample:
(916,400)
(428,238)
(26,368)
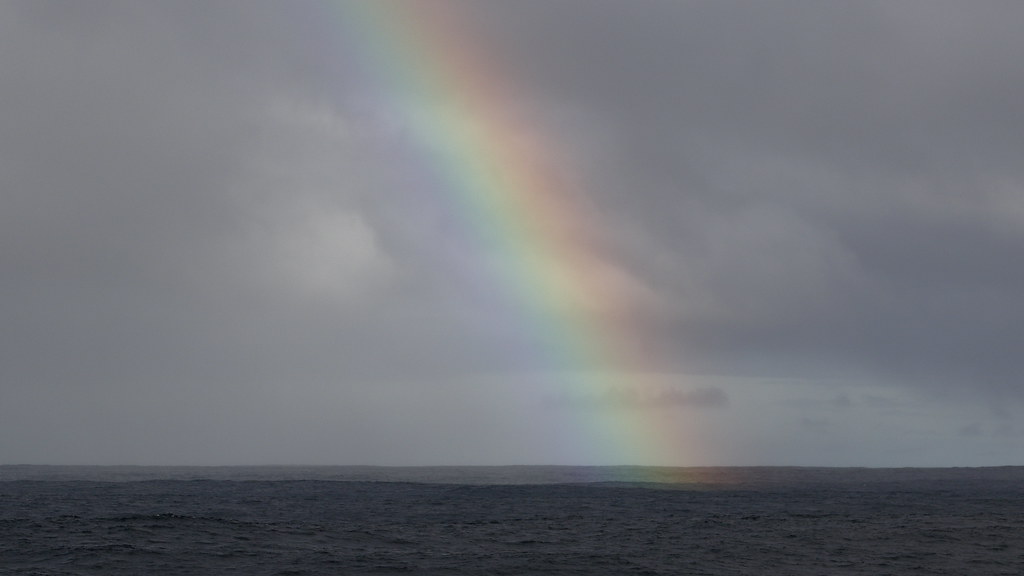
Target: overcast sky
(219,244)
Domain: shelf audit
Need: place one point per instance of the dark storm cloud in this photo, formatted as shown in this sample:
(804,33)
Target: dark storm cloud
(821,187)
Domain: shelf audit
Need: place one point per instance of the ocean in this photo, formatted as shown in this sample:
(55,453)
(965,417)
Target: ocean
(510,520)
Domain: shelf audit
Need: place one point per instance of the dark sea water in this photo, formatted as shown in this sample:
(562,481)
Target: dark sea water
(510,520)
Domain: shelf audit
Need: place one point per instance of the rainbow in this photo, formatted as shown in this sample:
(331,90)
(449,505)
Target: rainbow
(517,197)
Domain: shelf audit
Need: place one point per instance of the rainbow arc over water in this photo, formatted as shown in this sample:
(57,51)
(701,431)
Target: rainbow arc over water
(518,198)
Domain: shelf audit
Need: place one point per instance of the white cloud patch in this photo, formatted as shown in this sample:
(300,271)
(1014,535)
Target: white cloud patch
(306,230)
(328,252)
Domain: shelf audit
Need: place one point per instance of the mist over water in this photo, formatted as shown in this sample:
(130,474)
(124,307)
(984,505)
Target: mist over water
(724,477)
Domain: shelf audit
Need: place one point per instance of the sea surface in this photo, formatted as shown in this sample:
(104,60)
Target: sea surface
(510,520)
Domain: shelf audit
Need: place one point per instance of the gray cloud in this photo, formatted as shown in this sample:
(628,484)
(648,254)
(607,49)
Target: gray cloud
(209,228)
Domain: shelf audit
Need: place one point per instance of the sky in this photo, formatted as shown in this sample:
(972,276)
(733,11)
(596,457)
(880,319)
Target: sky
(795,228)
